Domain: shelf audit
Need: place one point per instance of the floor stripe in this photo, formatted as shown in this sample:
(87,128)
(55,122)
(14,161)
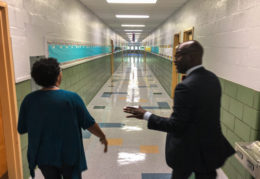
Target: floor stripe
(115,142)
(149,149)
(156,175)
(99,107)
(111,125)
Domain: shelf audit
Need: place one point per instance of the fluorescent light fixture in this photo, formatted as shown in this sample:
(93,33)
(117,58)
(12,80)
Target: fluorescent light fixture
(132,33)
(132,16)
(133,1)
(132,25)
(133,30)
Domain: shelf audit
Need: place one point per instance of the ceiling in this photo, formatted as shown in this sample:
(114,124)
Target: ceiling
(158,13)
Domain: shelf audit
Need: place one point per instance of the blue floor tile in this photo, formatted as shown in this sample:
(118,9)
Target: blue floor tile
(99,107)
(163,105)
(86,134)
(111,125)
(157,93)
(108,94)
(150,107)
(156,175)
(161,176)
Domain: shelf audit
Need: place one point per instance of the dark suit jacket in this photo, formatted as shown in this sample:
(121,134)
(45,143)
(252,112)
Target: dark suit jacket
(194,138)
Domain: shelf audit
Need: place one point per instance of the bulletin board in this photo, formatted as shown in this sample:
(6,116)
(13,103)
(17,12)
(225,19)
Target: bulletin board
(148,49)
(166,50)
(67,51)
(155,49)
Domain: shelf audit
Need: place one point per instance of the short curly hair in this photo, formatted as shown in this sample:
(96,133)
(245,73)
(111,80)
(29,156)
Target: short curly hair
(45,72)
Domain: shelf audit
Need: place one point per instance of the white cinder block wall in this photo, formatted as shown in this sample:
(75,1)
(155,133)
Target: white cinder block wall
(229,30)
(33,22)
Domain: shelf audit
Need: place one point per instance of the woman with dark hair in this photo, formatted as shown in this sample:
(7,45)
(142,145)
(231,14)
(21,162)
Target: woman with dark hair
(53,119)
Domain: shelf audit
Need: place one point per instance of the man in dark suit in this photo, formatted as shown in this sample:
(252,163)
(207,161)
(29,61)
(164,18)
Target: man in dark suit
(195,142)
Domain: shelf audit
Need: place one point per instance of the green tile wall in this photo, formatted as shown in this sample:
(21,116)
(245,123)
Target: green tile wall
(240,111)
(22,89)
(162,69)
(117,60)
(85,79)
(240,117)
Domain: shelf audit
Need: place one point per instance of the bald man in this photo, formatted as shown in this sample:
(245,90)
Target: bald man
(194,142)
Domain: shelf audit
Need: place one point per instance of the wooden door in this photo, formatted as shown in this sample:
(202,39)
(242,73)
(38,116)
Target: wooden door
(176,42)
(3,163)
(112,57)
(188,34)
(9,102)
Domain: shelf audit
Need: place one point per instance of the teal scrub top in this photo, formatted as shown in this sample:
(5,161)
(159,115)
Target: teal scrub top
(53,120)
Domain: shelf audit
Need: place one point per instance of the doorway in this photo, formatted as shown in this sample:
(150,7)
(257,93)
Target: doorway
(10,140)
(176,42)
(188,34)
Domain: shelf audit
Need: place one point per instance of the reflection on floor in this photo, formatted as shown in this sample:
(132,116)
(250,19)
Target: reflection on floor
(134,151)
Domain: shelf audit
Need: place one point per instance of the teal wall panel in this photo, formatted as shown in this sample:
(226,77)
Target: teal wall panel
(65,53)
(155,49)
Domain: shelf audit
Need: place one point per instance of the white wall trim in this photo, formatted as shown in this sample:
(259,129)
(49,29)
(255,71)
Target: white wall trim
(80,61)
(23,78)
(161,56)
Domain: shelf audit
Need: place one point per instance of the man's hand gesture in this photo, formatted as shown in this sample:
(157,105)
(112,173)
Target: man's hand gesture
(136,112)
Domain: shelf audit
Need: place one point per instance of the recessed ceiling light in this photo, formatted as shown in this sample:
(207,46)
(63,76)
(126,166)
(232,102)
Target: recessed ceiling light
(132,16)
(132,25)
(133,1)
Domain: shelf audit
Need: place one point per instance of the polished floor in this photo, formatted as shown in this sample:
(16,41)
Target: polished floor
(134,151)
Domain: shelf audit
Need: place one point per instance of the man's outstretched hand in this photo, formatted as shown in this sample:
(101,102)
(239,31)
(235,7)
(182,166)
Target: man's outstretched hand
(136,112)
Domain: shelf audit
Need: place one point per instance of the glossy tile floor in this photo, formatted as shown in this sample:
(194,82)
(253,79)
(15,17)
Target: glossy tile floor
(134,151)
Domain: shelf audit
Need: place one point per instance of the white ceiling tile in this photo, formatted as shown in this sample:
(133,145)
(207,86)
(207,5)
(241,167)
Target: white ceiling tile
(158,13)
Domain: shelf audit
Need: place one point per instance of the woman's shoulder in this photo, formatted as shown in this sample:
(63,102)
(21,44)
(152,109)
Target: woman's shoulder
(58,94)
(69,93)
(42,92)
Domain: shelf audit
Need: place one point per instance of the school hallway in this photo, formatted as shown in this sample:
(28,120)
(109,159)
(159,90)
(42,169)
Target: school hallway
(134,152)
(117,53)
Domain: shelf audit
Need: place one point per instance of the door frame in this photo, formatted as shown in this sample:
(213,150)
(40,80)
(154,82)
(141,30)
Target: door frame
(112,57)
(8,98)
(186,34)
(176,41)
